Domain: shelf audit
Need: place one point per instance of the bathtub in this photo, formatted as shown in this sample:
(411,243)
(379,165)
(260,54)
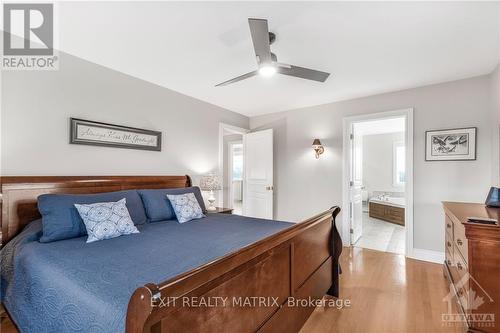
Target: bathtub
(390,201)
(390,209)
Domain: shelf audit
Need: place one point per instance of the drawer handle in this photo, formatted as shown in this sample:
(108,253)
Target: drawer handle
(459,242)
(459,265)
(448,225)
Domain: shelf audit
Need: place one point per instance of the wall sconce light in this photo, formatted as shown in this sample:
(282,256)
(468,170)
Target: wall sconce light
(318,148)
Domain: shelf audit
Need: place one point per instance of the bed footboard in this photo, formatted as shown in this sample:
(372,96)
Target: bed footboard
(268,286)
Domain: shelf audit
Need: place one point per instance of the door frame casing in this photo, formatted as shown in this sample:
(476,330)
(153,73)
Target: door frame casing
(234,130)
(230,151)
(346,158)
(355,182)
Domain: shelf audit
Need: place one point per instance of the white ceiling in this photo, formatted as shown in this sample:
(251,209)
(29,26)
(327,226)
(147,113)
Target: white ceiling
(368,47)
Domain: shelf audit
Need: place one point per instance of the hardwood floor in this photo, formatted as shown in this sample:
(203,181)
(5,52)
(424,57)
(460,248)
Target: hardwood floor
(388,293)
(6,325)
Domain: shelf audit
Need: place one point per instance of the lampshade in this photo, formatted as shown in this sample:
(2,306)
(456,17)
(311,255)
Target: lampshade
(210,182)
(316,142)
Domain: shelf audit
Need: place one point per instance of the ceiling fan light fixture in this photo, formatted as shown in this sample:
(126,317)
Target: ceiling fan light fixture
(267,70)
(267,61)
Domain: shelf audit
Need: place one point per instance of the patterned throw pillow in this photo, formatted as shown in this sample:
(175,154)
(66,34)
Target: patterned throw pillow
(185,206)
(106,220)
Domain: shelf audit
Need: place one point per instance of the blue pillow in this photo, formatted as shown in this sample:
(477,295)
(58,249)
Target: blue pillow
(60,219)
(157,205)
(186,207)
(106,220)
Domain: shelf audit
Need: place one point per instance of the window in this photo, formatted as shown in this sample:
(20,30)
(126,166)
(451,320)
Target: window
(237,161)
(399,168)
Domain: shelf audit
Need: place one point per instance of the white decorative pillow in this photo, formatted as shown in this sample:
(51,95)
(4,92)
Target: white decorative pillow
(106,220)
(185,206)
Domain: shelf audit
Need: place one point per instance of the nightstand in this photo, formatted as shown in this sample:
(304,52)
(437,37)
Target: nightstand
(221,210)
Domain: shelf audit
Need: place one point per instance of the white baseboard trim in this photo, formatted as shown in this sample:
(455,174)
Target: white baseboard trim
(427,255)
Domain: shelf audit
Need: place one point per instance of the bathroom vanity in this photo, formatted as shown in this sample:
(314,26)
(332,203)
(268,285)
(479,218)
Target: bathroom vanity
(388,210)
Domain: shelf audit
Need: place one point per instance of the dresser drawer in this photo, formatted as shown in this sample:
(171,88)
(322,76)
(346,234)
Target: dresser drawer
(460,241)
(448,244)
(449,257)
(448,227)
(460,280)
(458,271)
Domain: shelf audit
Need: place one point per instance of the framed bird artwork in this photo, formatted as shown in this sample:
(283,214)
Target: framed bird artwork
(457,144)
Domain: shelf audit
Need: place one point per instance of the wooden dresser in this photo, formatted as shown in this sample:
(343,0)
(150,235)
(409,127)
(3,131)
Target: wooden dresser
(473,266)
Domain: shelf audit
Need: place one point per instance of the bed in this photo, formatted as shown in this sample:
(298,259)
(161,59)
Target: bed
(170,277)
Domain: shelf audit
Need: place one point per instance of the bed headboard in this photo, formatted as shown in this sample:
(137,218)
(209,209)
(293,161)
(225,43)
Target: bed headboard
(19,195)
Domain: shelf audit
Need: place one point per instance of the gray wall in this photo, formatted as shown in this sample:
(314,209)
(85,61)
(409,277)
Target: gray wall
(377,162)
(36,107)
(305,186)
(495,97)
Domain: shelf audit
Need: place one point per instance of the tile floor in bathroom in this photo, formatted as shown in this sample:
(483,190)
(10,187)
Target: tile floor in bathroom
(382,236)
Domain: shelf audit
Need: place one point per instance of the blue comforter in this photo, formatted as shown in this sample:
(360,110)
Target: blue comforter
(72,286)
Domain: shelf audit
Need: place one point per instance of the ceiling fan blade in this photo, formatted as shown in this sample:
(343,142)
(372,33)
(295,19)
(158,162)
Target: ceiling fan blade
(260,39)
(238,78)
(303,73)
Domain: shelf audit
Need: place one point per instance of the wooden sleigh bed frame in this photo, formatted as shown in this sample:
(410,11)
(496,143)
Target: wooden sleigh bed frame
(284,272)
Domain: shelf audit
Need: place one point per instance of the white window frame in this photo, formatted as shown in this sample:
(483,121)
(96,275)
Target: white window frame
(395,181)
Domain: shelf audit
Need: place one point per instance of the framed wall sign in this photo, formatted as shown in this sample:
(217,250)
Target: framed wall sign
(86,132)
(451,144)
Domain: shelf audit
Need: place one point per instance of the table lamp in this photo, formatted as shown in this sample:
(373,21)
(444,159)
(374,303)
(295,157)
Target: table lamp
(210,183)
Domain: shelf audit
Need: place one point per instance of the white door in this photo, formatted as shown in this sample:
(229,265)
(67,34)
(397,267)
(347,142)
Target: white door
(355,187)
(258,186)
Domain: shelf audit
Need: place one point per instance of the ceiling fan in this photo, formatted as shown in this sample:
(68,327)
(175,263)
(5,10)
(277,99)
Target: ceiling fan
(268,62)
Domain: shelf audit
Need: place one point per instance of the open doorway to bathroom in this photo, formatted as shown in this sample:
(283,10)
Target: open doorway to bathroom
(377,189)
(232,159)
(235,176)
